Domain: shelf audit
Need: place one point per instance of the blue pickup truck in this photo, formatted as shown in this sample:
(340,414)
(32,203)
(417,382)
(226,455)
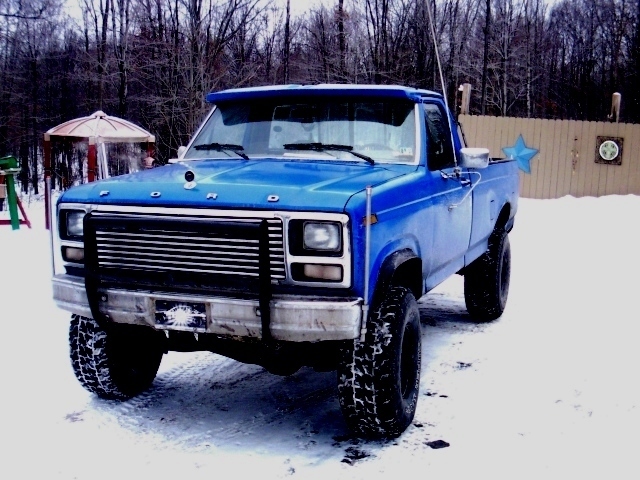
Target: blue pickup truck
(297,228)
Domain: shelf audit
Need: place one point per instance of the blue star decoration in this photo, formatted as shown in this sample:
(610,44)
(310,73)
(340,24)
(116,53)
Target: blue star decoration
(521,154)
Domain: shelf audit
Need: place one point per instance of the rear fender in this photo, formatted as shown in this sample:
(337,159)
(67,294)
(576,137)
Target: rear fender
(504,222)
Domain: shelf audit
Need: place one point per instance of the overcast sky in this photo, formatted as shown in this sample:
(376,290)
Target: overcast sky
(298,7)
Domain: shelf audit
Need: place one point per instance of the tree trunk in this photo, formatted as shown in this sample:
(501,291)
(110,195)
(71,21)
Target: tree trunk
(287,41)
(485,57)
(102,52)
(342,41)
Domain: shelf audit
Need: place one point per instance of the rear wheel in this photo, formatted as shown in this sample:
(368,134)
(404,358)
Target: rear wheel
(486,280)
(117,364)
(378,379)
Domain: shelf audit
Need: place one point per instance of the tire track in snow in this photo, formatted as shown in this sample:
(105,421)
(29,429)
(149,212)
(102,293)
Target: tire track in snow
(203,399)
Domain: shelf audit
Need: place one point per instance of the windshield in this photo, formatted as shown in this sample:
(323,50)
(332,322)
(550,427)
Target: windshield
(371,131)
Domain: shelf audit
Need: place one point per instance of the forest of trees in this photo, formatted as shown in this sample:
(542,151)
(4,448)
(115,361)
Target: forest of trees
(153,61)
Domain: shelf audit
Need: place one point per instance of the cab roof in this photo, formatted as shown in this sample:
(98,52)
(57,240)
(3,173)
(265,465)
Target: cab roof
(322,90)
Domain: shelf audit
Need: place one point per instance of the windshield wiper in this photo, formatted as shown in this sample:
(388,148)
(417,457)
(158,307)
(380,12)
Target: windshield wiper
(319,147)
(223,147)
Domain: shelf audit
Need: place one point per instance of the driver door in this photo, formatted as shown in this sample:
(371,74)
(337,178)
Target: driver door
(452,218)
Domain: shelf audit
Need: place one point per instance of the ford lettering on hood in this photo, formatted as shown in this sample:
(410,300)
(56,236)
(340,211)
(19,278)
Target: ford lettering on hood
(238,183)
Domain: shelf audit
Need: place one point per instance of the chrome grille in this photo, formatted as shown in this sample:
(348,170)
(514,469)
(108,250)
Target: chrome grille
(209,247)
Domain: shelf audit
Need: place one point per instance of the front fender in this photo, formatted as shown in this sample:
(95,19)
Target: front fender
(400,267)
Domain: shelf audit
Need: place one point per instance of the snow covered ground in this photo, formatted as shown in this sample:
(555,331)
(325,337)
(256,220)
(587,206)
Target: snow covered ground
(550,390)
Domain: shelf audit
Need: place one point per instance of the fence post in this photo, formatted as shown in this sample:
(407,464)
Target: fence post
(465,99)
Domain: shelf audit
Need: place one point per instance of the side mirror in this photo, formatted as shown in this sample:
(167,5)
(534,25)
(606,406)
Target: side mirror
(181,150)
(474,158)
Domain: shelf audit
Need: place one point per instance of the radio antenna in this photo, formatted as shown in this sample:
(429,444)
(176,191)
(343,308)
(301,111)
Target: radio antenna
(444,90)
(435,47)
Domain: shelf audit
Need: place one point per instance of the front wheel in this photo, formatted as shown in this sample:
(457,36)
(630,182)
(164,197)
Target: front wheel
(115,364)
(378,379)
(486,280)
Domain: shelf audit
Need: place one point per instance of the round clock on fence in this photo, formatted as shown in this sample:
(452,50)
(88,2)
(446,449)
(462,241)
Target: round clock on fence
(609,150)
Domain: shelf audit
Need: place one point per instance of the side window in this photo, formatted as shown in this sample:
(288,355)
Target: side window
(439,150)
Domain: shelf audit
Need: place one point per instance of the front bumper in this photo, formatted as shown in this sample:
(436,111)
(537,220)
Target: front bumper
(293,318)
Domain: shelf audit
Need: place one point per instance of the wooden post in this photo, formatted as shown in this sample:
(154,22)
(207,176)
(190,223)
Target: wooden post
(465,100)
(616,100)
(151,149)
(47,180)
(92,160)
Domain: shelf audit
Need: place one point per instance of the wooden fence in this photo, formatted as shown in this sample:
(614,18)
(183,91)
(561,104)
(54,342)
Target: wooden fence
(570,160)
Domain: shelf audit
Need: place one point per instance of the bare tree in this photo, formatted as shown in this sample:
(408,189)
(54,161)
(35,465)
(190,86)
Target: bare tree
(634,78)
(342,43)
(287,42)
(485,55)
(96,13)
(120,19)
(26,10)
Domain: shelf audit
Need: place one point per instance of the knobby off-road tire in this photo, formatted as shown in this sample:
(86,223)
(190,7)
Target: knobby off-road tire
(379,379)
(486,280)
(117,364)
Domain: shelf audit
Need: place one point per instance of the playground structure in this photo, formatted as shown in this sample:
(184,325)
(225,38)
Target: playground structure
(97,129)
(8,169)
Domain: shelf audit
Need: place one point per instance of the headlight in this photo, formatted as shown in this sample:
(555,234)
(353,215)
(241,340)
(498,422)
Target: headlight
(75,223)
(322,236)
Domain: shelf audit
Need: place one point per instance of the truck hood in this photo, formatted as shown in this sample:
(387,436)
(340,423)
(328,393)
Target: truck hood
(252,184)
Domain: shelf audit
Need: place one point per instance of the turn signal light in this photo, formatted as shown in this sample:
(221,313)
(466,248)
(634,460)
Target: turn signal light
(332,273)
(72,254)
